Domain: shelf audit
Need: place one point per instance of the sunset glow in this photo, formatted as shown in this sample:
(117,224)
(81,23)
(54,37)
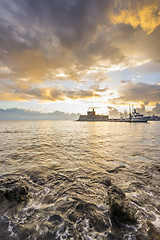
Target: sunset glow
(68,55)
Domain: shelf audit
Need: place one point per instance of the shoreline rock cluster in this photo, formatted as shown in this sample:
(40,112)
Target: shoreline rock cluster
(113,223)
(14,190)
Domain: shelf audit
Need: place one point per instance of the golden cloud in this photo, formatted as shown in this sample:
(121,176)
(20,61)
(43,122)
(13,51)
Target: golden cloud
(138,13)
(79,41)
(47,94)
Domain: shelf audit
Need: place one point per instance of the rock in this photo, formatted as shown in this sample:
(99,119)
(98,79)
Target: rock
(110,236)
(17,193)
(153,232)
(81,207)
(72,217)
(2,194)
(120,209)
(13,190)
(55,218)
(106,182)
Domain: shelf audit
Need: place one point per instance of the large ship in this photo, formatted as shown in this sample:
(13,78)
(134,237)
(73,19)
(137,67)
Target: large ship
(154,118)
(93,117)
(137,117)
(134,117)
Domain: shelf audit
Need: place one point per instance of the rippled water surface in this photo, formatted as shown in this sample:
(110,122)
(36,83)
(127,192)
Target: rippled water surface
(71,170)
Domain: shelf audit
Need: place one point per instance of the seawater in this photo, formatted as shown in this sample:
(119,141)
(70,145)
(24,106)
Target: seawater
(65,164)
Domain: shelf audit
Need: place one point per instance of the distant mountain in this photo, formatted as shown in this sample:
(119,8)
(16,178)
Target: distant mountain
(22,114)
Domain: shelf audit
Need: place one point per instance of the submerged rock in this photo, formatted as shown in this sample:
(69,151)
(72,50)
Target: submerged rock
(120,209)
(13,190)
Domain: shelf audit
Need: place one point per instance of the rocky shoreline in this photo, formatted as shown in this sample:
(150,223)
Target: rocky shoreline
(13,190)
(66,215)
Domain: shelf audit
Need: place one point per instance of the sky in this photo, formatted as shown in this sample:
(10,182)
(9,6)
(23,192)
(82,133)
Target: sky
(69,55)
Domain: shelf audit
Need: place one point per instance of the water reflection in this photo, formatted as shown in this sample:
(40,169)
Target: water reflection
(66,165)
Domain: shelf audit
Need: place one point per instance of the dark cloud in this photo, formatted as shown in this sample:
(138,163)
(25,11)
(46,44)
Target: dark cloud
(44,36)
(137,44)
(138,92)
(42,39)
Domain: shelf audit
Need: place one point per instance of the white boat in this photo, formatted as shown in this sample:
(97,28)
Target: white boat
(154,118)
(137,117)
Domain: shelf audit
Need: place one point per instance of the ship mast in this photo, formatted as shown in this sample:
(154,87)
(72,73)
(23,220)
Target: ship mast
(130,115)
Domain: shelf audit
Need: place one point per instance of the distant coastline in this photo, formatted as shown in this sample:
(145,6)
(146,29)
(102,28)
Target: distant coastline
(22,114)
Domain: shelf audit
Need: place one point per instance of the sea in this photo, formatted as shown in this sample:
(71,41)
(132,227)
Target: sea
(79,180)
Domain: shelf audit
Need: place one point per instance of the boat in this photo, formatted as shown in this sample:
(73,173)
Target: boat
(93,117)
(137,117)
(154,118)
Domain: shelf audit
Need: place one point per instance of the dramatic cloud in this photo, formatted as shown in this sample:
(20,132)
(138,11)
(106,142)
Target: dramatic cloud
(48,94)
(42,37)
(137,13)
(79,40)
(138,92)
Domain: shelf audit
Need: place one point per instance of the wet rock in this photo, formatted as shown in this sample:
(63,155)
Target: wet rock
(106,182)
(110,236)
(55,218)
(153,232)
(13,190)
(80,207)
(120,209)
(2,194)
(17,193)
(72,217)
